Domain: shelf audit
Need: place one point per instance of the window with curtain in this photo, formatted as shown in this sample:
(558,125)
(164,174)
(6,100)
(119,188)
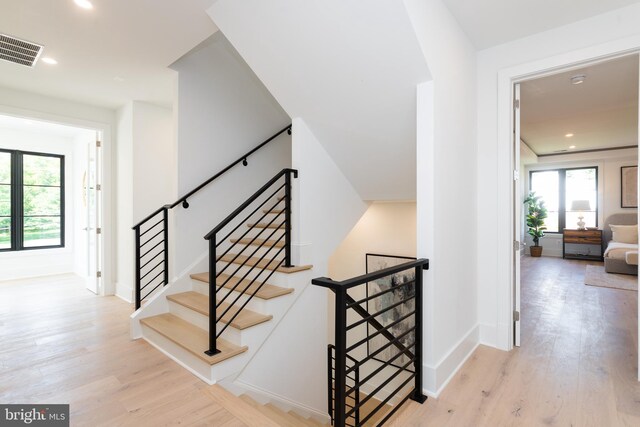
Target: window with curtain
(567,194)
(31,200)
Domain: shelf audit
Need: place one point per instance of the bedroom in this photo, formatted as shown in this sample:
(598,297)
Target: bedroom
(579,154)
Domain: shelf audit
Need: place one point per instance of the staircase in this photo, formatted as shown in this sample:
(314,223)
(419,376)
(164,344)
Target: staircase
(253,289)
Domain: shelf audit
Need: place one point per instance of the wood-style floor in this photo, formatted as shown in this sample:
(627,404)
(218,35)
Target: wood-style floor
(61,344)
(577,364)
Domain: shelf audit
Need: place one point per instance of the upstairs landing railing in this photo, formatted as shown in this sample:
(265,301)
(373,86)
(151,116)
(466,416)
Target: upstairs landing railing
(378,344)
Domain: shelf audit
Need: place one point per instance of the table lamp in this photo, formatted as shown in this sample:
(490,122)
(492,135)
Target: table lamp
(581,206)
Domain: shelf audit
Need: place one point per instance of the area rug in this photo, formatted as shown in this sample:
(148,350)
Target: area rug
(596,276)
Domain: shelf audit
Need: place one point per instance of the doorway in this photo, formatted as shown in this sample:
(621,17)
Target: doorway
(51,202)
(573,131)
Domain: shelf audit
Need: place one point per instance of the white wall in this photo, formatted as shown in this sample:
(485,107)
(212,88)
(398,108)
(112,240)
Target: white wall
(609,164)
(325,207)
(25,104)
(223,111)
(31,263)
(598,37)
(349,69)
(385,228)
(147,177)
(446,198)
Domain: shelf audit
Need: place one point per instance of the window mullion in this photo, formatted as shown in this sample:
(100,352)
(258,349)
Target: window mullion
(18,205)
(562,208)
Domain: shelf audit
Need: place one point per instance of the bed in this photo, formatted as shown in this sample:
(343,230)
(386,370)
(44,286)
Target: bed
(620,257)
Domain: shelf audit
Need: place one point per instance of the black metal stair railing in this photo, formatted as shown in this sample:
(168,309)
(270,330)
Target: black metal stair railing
(152,234)
(241,262)
(391,371)
(352,381)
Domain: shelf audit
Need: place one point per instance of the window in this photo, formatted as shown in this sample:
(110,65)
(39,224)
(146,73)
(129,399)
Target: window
(31,200)
(561,189)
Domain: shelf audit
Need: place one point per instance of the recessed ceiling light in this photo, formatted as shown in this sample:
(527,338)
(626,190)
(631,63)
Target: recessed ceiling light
(569,135)
(572,147)
(49,60)
(85,4)
(578,79)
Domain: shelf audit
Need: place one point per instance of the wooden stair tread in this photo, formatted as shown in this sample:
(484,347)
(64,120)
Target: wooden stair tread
(282,417)
(369,406)
(200,303)
(260,242)
(267,291)
(256,261)
(274,224)
(273,211)
(242,410)
(302,420)
(191,338)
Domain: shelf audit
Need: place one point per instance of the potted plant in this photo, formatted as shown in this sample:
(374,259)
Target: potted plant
(536,215)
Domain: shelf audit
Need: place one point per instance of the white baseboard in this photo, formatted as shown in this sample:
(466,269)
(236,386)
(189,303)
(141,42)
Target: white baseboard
(488,334)
(437,377)
(124,292)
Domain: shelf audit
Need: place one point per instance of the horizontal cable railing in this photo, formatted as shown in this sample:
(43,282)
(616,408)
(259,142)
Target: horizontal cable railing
(378,344)
(246,249)
(152,244)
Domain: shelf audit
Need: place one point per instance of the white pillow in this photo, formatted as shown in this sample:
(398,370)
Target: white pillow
(625,233)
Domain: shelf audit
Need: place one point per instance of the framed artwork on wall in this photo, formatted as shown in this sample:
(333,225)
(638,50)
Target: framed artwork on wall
(629,186)
(399,317)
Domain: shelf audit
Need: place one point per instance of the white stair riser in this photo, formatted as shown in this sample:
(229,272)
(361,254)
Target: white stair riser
(256,304)
(252,336)
(202,369)
(284,280)
(256,251)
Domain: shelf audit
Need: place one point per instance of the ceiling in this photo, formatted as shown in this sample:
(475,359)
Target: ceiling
(601,113)
(41,127)
(117,52)
(493,22)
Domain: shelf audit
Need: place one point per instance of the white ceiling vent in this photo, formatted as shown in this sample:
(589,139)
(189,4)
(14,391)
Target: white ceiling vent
(19,51)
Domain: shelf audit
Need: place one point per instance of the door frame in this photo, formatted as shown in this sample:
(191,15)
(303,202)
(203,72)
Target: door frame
(507,78)
(107,284)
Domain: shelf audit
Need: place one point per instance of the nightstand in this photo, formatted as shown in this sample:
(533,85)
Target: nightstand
(582,244)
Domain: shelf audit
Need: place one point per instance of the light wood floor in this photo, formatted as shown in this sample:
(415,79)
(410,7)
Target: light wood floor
(61,344)
(577,365)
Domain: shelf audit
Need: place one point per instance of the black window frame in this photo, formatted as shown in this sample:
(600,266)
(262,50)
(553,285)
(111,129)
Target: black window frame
(17,200)
(562,194)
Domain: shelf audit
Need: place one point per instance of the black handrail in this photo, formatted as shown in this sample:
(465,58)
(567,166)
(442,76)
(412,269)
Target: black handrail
(272,244)
(161,236)
(242,159)
(409,352)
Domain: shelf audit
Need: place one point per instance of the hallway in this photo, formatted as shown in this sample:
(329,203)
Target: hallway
(577,365)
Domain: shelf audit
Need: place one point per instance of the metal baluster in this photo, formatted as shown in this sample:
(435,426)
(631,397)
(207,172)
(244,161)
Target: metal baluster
(165,224)
(417,392)
(212,298)
(137,272)
(339,410)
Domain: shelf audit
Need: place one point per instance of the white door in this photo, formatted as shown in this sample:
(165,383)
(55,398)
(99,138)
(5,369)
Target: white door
(93,230)
(518,246)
